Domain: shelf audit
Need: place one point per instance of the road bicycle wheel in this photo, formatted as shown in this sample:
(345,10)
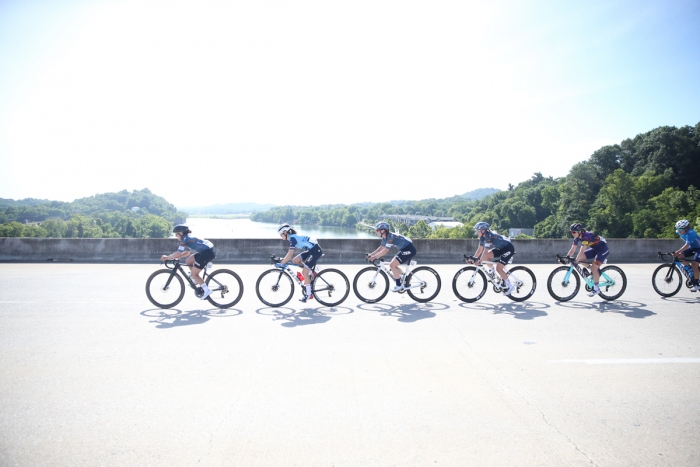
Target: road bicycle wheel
(667,280)
(524,281)
(330,287)
(559,288)
(469,284)
(165,288)
(226,288)
(274,287)
(611,291)
(430,280)
(371,284)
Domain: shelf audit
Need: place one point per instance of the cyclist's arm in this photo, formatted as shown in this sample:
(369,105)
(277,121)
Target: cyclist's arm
(571,250)
(288,257)
(679,251)
(378,253)
(176,255)
(479,253)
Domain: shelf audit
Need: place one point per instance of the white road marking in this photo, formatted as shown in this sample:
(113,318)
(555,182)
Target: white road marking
(624,361)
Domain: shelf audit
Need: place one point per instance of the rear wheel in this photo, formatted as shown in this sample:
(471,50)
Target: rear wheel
(371,284)
(430,283)
(667,280)
(226,288)
(330,287)
(524,281)
(274,287)
(165,288)
(613,282)
(469,284)
(561,288)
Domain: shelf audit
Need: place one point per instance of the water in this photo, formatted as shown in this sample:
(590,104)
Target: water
(245,228)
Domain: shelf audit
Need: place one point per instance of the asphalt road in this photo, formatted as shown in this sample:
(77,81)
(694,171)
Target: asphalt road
(92,374)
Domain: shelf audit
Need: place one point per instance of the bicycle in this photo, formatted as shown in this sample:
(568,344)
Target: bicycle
(275,287)
(612,285)
(470,282)
(165,288)
(667,279)
(371,284)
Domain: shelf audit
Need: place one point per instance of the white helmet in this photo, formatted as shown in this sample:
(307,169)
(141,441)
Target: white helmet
(283,228)
(682,224)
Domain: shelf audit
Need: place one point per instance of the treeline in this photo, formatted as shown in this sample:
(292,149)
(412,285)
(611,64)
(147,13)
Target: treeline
(638,188)
(107,215)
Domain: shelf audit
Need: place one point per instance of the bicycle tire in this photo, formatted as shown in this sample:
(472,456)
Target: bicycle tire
(226,288)
(663,280)
(162,296)
(330,282)
(430,278)
(557,288)
(274,287)
(618,287)
(469,287)
(371,284)
(528,281)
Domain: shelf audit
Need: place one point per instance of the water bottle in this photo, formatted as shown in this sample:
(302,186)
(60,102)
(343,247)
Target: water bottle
(300,276)
(688,269)
(585,272)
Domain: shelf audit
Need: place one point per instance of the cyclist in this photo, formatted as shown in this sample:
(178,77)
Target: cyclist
(499,246)
(596,253)
(690,249)
(406,251)
(203,254)
(312,252)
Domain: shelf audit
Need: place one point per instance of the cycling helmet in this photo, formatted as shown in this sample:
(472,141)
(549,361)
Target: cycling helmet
(576,227)
(481,226)
(682,224)
(382,226)
(283,228)
(181,228)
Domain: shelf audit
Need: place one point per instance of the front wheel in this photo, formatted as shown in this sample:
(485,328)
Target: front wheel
(274,287)
(226,288)
(371,284)
(667,280)
(613,282)
(330,287)
(469,284)
(165,288)
(524,281)
(563,284)
(429,281)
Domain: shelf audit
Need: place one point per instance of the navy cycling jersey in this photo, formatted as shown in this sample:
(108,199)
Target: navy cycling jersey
(301,241)
(691,239)
(194,244)
(493,240)
(399,241)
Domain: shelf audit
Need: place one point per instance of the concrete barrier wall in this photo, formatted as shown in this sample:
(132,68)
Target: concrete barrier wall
(337,251)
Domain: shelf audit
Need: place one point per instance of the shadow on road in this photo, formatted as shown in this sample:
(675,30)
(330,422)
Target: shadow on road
(174,317)
(406,313)
(293,318)
(683,300)
(519,310)
(626,307)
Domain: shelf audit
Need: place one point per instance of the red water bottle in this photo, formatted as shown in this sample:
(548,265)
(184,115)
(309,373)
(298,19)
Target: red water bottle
(300,276)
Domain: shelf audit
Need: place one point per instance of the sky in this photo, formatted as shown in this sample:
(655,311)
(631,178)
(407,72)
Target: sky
(317,102)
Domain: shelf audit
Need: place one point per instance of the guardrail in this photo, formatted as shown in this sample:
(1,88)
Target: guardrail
(337,251)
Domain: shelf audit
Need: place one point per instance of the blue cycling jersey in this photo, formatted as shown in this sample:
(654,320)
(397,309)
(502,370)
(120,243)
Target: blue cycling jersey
(493,240)
(399,241)
(301,241)
(691,238)
(194,244)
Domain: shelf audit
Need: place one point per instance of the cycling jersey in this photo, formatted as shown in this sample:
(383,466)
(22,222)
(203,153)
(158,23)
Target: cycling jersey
(399,241)
(589,239)
(691,239)
(493,240)
(194,244)
(301,241)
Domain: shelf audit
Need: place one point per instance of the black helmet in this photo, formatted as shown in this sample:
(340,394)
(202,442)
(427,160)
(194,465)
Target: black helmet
(181,228)
(577,227)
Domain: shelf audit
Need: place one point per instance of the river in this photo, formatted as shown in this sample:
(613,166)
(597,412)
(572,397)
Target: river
(203,227)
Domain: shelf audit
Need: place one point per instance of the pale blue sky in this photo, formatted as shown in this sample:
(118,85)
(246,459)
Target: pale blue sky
(315,102)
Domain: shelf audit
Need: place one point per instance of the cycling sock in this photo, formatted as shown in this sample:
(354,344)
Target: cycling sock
(308,290)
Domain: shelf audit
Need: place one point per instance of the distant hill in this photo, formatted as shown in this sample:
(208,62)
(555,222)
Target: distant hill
(480,193)
(230,208)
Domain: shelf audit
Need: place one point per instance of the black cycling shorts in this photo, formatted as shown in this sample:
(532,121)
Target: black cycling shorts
(203,257)
(406,255)
(310,257)
(505,254)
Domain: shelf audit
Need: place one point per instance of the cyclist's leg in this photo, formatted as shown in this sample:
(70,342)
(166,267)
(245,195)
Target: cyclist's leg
(403,257)
(694,257)
(194,270)
(599,256)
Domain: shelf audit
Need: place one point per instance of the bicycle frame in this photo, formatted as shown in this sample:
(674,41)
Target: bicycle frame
(492,276)
(604,281)
(285,269)
(382,265)
(680,265)
(177,266)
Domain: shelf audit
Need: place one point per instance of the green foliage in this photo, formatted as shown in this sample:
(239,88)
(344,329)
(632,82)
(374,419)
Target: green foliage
(107,215)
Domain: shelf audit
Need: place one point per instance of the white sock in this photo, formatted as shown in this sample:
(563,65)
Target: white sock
(308,290)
